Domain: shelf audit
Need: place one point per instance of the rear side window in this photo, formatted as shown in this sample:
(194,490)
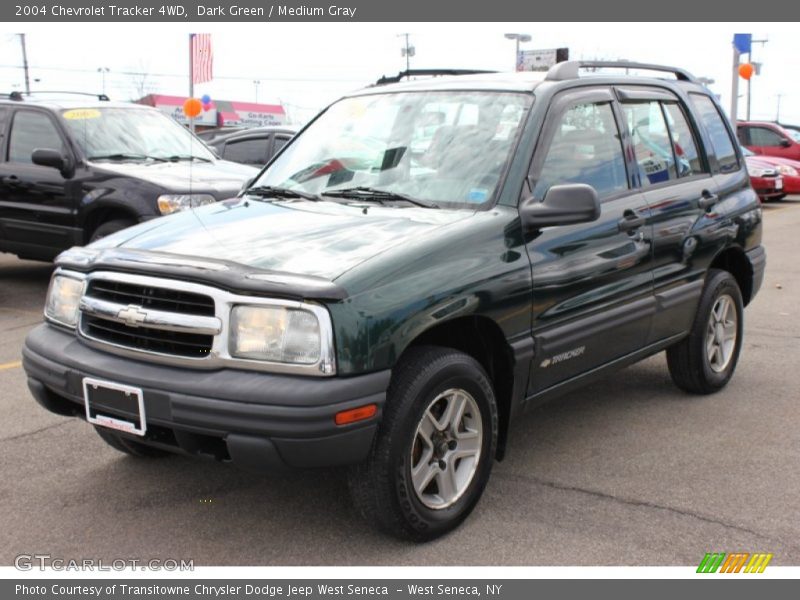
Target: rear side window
(278,143)
(29,131)
(683,141)
(720,137)
(252,151)
(651,142)
(585,148)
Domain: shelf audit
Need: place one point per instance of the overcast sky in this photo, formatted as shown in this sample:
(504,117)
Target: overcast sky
(306,66)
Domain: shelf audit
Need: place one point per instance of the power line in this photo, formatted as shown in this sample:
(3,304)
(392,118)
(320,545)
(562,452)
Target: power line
(184,75)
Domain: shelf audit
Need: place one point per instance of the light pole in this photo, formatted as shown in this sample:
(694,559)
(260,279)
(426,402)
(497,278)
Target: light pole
(778,111)
(518,37)
(408,51)
(757,67)
(103,71)
(256,83)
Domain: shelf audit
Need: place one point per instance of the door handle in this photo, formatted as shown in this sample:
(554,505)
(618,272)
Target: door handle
(707,200)
(11,181)
(630,221)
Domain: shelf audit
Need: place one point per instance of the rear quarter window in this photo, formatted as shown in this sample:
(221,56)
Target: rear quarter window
(721,140)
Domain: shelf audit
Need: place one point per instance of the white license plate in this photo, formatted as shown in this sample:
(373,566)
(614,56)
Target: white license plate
(114,405)
(779,184)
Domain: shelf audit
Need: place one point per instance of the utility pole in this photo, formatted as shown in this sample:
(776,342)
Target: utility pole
(778,111)
(757,68)
(256,83)
(25,64)
(735,85)
(103,71)
(408,51)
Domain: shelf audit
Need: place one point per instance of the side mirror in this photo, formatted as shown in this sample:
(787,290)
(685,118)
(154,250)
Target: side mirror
(786,143)
(47,157)
(565,204)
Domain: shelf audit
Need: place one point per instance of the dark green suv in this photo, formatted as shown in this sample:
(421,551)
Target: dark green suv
(424,261)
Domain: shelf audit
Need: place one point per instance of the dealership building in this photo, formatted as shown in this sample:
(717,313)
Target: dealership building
(221,113)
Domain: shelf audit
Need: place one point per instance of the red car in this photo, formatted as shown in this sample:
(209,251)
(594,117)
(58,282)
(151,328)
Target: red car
(770,139)
(787,168)
(764,177)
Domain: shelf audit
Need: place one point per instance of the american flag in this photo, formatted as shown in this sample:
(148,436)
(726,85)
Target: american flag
(202,58)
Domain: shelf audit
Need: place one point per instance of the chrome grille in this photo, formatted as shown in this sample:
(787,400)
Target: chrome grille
(149,318)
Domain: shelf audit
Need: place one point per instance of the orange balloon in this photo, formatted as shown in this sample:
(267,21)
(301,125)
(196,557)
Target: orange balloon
(746,71)
(192,107)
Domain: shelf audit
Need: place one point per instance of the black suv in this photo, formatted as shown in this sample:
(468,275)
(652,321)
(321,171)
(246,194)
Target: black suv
(73,171)
(254,146)
(421,263)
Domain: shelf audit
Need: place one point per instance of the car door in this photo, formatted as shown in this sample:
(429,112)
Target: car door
(678,188)
(592,283)
(37,203)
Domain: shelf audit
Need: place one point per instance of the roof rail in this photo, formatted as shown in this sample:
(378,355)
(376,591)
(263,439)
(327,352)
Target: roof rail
(20,95)
(16,96)
(569,69)
(427,73)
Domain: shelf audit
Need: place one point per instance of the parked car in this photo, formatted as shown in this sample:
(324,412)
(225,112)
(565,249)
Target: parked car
(771,139)
(254,146)
(764,177)
(395,313)
(788,171)
(73,171)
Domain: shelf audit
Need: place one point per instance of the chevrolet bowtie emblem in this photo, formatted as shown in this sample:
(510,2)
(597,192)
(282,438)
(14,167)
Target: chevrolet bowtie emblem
(132,315)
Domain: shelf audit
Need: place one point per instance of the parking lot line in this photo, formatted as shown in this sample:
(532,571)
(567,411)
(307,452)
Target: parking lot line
(10,365)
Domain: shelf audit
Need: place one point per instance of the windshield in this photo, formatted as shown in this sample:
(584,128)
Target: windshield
(443,148)
(793,133)
(746,152)
(132,133)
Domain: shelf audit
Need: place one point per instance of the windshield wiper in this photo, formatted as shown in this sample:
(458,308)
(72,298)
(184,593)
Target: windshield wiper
(281,192)
(126,156)
(369,193)
(176,158)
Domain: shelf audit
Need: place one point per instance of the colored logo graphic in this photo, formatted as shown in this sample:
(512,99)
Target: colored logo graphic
(737,562)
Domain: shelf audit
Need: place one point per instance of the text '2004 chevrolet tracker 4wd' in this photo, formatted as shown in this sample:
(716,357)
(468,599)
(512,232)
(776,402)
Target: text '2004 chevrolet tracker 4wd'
(421,263)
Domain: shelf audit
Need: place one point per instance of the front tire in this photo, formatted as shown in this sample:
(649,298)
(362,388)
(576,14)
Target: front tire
(434,449)
(704,362)
(110,227)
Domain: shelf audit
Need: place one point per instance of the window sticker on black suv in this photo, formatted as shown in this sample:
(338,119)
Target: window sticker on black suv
(586,148)
(720,138)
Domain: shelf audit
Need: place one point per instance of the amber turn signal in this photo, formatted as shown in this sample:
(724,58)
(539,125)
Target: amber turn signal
(356,414)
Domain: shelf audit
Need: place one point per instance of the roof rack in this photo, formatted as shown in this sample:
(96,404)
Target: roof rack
(569,69)
(428,73)
(19,96)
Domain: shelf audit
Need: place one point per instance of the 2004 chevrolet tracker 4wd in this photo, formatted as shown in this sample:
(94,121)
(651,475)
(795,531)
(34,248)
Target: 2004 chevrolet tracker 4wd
(424,261)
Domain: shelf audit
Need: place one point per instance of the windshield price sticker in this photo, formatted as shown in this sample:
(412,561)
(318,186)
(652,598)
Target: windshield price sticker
(81,113)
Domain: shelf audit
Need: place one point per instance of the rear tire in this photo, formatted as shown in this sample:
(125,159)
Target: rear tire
(127,446)
(704,362)
(434,450)
(110,227)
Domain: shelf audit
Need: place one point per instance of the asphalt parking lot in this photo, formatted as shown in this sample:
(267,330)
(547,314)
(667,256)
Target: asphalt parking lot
(629,472)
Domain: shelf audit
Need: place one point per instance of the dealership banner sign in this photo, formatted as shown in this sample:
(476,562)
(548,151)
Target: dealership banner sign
(391,10)
(388,589)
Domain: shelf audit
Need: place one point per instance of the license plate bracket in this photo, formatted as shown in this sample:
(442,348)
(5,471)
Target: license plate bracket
(114,405)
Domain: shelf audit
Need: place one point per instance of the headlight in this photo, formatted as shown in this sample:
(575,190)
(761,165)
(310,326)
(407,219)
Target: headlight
(170,203)
(787,170)
(758,172)
(63,298)
(276,334)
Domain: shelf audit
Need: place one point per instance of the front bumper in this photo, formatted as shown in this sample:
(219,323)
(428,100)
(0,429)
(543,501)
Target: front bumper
(253,419)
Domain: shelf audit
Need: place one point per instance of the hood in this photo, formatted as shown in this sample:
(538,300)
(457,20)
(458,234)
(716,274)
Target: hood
(320,239)
(757,161)
(220,177)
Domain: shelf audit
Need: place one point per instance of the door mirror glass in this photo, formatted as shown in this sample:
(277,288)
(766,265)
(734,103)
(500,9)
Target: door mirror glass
(564,204)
